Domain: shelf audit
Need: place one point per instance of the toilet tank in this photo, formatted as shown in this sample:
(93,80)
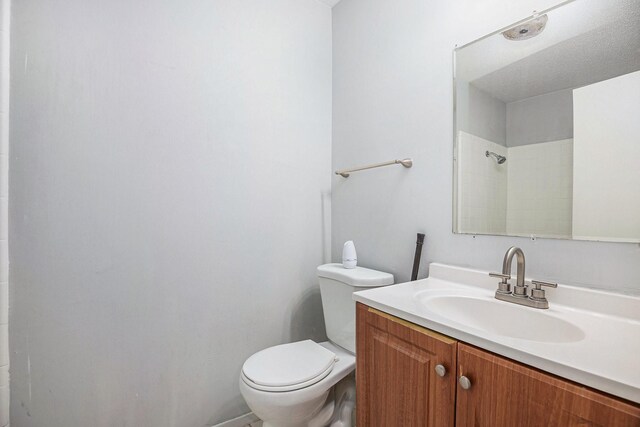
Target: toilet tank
(337,284)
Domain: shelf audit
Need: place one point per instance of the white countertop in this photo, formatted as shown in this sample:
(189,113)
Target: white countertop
(604,355)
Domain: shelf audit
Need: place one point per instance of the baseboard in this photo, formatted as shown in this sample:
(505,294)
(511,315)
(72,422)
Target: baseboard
(241,421)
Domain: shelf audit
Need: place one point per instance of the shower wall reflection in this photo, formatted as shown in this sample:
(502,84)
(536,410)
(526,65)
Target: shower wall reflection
(530,193)
(482,184)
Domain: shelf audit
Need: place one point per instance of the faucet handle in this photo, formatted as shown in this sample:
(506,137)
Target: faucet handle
(537,294)
(537,284)
(504,277)
(503,286)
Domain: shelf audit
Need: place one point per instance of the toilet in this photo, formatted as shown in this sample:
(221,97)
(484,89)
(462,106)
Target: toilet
(307,383)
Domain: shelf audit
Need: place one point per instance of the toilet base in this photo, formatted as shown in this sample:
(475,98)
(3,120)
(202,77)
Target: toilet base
(345,403)
(338,410)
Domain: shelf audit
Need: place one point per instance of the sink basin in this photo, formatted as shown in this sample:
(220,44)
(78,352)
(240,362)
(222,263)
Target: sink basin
(503,318)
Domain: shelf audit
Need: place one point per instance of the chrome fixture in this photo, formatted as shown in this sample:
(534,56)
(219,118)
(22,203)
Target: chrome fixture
(498,158)
(520,295)
(537,293)
(528,29)
(407,163)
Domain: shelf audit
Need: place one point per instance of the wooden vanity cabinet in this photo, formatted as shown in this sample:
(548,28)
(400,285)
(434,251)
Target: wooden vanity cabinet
(397,384)
(505,393)
(395,373)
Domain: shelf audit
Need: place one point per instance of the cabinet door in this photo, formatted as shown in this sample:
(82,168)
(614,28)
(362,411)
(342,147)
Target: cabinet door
(397,384)
(505,393)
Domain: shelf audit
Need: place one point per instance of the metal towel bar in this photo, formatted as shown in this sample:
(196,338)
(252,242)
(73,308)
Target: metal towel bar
(407,163)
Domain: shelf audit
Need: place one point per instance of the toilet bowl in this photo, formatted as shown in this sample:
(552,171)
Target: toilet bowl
(306,383)
(301,405)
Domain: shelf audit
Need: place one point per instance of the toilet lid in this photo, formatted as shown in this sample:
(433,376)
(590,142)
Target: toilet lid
(288,367)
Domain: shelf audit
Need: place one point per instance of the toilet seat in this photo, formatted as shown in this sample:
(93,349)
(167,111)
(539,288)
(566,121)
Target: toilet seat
(288,367)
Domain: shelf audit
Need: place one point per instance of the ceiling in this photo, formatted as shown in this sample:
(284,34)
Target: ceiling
(585,41)
(330,3)
(595,56)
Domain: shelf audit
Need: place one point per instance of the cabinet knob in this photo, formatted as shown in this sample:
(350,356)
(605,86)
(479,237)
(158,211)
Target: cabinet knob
(465,382)
(441,370)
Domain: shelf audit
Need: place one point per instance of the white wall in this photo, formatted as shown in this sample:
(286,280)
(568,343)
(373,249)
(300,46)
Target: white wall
(539,189)
(606,201)
(392,86)
(480,114)
(4,223)
(482,186)
(541,118)
(169,161)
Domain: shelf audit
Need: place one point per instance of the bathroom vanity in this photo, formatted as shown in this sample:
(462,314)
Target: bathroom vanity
(443,351)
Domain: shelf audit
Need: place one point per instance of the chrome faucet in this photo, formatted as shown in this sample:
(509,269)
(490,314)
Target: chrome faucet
(520,288)
(520,295)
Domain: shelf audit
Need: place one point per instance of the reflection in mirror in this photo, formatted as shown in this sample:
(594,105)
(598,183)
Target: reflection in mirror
(547,138)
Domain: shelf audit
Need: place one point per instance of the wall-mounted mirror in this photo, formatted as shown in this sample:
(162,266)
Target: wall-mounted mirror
(547,134)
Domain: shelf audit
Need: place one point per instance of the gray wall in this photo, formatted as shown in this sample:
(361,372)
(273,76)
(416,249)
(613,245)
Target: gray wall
(168,165)
(392,86)
(542,118)
(480,114)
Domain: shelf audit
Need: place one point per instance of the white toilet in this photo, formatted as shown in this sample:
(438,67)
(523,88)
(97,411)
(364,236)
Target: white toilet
(309,384)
